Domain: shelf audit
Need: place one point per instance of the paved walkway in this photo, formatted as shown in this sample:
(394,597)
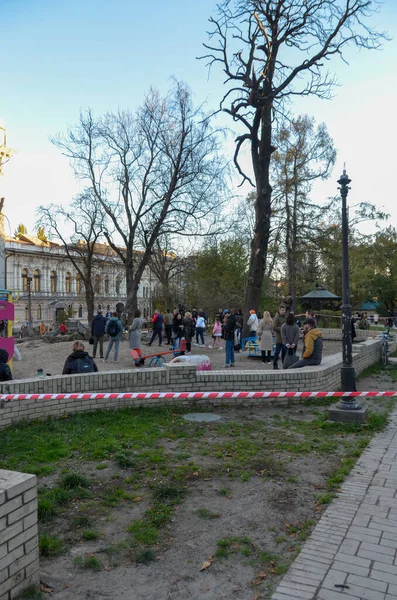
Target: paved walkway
(352,552)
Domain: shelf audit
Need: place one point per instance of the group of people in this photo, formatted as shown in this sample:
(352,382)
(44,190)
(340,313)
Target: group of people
(286,331)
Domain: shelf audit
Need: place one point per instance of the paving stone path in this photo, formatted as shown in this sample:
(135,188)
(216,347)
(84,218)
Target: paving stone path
(352,552)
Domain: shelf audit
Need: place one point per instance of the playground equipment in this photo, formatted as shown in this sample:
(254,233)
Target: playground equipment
(250,346)
(157,359)
(7,314)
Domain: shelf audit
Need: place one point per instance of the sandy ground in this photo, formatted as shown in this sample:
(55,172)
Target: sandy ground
(259,509)
(38,354)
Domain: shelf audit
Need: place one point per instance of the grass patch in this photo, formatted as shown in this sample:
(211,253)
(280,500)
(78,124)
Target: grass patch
(90,534)
(89,562)
(205,513)
(233,545)
(300,530)
(50,546)
(371,371)
(80,522)
(115,497)
(73,481)
(168,493)
(31,593)
(144,556)
(143,532)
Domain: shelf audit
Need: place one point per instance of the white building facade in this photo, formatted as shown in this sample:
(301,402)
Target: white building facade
(55,285)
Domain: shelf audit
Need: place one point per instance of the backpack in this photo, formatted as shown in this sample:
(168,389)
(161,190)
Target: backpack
(113,328)
(84,365)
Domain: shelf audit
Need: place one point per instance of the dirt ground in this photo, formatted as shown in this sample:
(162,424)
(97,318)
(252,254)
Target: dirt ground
(37,354)
(274,514)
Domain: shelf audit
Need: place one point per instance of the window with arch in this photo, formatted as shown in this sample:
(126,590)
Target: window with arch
(68,283)
(78,283)
(80,311)
(53,282)
(27,312)
(97,284)
(39,315)
(37,280)
(25,274)
(107,285)
(118,283)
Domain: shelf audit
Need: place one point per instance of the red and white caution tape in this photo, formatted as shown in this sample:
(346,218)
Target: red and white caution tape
(189,395)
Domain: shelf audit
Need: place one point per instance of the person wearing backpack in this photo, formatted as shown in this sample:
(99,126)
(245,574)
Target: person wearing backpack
(114,330)
(79,361)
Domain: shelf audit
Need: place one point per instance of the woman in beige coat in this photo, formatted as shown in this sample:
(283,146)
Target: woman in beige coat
(264,333)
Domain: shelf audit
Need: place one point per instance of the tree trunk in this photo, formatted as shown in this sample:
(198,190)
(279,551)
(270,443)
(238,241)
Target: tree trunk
(90,302)
(261,152)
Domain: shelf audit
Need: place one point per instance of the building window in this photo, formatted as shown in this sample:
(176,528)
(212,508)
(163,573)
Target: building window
(24,280)
(26,313)
(118,281)
(39,313)
(37,281)
(106,286)
(68,283)
(53,281)
(80,311)
(97,285)
(78,284)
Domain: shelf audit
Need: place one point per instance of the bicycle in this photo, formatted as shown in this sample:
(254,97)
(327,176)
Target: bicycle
(384,351)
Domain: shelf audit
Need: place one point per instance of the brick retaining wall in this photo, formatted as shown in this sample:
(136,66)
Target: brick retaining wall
(175,378)
(19,548)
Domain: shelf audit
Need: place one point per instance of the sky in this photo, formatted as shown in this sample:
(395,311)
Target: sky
(59,58)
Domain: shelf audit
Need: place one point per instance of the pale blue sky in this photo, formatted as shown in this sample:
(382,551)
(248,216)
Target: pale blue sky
(60,57)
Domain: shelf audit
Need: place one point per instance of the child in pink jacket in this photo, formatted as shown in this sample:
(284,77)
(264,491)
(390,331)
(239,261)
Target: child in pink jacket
(217,335)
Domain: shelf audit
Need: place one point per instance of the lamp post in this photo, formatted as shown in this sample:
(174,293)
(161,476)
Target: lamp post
(29,284)
(348,375)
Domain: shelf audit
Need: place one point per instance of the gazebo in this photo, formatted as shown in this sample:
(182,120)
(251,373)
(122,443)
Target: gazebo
(320,298)
(368,306)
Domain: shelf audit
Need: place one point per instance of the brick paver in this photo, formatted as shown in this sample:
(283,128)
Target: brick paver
(352,552)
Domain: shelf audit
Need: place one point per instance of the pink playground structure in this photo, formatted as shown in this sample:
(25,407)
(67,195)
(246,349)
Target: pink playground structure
(7,315)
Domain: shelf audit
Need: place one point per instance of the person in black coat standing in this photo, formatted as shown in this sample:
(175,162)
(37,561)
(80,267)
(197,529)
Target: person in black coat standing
(5,371)
(98,325)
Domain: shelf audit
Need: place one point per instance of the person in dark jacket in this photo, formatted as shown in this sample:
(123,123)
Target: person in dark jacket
(98,325)
(290,333)
(157,323)
(114,329)
(79,361)
(5,371)
(189,331)
(229,326)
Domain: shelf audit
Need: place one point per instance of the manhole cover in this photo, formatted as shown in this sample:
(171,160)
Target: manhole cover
(201,417)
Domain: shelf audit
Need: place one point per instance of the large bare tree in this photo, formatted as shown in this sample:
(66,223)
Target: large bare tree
(154,173)
(271,51)
(84,218)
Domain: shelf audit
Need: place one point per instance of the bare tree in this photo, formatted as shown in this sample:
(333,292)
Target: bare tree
(154,173)
(82,249)
(271,51)
(169,266)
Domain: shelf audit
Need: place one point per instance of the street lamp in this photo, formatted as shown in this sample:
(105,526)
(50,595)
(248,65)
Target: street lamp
(348,375)
(29,284)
